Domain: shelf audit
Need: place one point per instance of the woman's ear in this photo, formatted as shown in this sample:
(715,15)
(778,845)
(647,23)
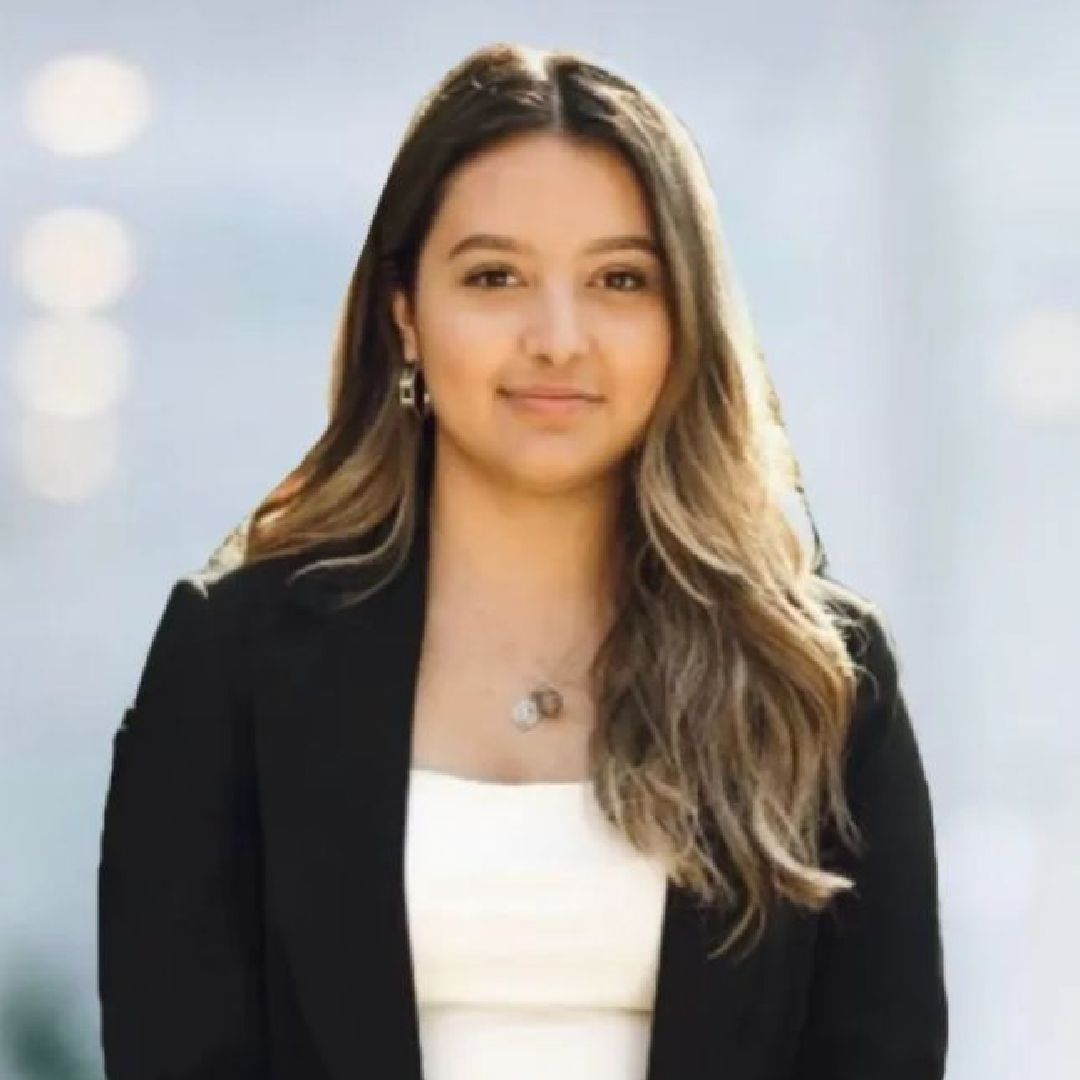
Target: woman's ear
(401,312)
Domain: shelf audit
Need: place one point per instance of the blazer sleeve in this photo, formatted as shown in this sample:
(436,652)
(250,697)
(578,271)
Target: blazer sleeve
(179,914)
(877,1007)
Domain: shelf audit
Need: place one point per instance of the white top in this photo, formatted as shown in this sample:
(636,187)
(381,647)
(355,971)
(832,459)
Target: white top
(535,931)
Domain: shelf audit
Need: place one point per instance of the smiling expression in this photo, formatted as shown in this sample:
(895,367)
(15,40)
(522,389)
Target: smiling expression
(541,320)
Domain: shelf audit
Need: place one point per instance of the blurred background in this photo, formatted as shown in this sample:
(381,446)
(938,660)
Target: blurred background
(185,189)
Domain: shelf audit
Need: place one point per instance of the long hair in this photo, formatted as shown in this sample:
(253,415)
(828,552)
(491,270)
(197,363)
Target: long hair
(724,688)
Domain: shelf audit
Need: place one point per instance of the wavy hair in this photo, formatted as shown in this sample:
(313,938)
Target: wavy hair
(724,688)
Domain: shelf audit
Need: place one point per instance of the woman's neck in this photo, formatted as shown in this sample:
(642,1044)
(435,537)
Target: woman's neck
(537,566)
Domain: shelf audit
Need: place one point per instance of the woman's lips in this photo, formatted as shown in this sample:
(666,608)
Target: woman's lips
(548,403)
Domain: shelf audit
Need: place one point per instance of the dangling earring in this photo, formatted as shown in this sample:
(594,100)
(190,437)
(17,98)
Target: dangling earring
(407,389)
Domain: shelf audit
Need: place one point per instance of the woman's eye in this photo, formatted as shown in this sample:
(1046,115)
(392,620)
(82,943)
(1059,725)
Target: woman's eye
(638,280)
(484,275)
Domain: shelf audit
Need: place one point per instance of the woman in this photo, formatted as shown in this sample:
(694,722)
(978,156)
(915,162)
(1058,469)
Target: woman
(516,733)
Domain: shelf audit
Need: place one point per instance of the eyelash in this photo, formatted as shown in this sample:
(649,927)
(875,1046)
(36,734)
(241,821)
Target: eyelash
(641,279)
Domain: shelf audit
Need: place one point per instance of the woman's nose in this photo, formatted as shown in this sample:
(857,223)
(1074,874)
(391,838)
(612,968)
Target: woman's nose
(558,323)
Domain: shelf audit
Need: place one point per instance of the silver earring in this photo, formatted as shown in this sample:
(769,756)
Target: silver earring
(407,389)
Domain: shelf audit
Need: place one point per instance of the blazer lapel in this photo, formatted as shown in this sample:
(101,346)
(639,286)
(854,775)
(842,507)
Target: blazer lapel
(335,692)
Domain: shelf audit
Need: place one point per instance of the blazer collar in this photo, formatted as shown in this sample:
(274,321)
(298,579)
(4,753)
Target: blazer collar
(335,688)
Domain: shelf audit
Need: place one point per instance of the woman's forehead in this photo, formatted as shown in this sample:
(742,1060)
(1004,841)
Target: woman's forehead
(541,193)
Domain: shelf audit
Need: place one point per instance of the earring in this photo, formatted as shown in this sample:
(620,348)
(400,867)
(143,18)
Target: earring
(407,389)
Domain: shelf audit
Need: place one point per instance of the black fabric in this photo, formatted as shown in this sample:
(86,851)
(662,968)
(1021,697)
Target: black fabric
(252,918)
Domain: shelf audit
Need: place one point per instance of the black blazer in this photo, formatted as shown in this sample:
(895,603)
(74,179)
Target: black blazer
(252,918)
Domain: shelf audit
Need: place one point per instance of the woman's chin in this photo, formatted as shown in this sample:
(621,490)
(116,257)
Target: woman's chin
(553,477)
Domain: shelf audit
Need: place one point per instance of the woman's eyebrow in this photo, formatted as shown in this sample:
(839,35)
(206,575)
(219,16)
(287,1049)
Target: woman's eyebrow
(627,242)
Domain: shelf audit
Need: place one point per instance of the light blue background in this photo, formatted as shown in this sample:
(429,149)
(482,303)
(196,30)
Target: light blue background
(899,185)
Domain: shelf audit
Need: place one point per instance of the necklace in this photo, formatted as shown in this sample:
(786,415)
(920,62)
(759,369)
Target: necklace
(542,703)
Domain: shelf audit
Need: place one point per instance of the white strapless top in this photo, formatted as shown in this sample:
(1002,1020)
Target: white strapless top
(535,932)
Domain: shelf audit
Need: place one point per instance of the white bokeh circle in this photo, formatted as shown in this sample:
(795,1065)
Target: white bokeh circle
(85,104)
(74,259)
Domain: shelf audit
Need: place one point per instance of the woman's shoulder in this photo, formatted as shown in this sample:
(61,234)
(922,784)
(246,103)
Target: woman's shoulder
(243,591)
(862,621)
(232,585)
(238,591)
(864,626)
(880,719)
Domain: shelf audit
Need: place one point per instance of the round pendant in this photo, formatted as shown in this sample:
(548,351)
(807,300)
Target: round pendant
(525,713)
(549,701)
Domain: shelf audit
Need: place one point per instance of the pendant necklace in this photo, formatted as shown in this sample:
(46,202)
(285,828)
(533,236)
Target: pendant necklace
(544,701)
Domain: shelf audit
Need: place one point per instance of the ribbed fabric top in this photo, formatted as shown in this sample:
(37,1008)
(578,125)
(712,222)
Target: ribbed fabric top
(535,931)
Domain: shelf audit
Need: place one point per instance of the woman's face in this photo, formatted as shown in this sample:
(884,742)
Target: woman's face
(540,273)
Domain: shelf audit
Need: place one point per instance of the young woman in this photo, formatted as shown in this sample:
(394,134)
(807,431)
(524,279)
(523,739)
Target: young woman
(516,732)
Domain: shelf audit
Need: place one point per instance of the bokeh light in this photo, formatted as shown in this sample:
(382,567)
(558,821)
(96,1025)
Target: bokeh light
(67,460)
(73,366)
(85,104)
(74,259)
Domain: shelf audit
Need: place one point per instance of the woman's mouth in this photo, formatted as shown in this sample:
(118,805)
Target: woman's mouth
(549,402)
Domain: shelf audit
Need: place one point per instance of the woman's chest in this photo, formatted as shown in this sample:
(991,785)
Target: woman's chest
(462,719)
(524,895)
